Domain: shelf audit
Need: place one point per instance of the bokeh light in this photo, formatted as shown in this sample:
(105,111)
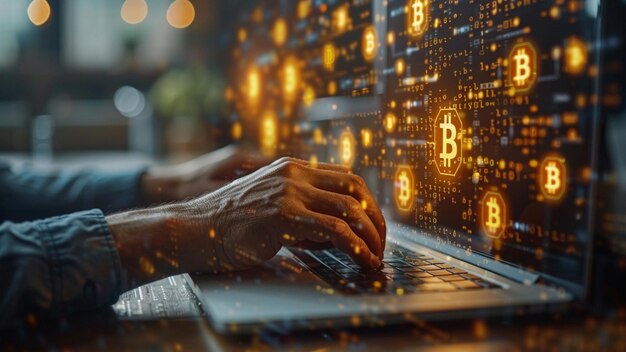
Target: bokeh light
(181,14)
(38,12)
(134,11)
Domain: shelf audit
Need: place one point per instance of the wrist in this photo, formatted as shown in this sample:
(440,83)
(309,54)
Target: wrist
(141,238)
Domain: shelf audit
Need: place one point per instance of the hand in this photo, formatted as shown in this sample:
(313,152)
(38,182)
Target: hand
(198,176)
(247,222)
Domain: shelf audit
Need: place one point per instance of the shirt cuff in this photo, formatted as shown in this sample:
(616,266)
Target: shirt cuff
(117,191)
(85,267)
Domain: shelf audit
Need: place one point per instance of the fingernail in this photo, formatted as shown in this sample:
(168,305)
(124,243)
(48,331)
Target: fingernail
(375,261)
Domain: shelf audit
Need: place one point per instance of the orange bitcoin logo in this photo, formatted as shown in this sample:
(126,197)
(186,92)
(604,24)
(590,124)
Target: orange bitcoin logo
(368,43)
(493,214)
(417,17)
(522,67)
(403,188)
(347,148)
(552,177)
(448,142)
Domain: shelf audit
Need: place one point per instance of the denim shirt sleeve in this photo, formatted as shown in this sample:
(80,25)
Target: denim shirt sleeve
(57,265)
(28,194)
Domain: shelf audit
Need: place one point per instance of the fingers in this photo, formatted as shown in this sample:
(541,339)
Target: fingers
(350,210)
(355,187)
(325,228)
(321,166)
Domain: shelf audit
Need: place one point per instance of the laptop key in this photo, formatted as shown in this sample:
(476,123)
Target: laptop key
(452,278)
(440,272)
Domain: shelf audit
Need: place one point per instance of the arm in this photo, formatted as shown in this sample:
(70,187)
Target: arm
(57,265)
(85,260)
(28,194)
(247,222)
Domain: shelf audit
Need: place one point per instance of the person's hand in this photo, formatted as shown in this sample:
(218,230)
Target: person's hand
(198,176)
(247,222)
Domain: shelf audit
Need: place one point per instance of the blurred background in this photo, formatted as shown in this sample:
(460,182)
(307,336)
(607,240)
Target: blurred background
(83,78)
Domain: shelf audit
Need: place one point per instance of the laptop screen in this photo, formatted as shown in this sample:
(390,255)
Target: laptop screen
(474,122)
(490,122)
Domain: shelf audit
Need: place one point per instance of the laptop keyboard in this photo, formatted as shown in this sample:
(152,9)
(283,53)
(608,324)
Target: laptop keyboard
(402,272)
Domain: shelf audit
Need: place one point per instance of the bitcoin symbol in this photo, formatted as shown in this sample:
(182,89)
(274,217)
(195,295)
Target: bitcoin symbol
(523,67)
(448,127)
(552,177)
(347,154)
(553,182)
(368,43)
(449,136)
(494,214)
(493,222)
(404,188)
(269,138)
(417,17)
(575,56)
(290,79)
(346,148)
(253,84)
(329,57)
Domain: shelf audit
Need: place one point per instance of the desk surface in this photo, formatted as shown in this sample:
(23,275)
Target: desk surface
(163,316)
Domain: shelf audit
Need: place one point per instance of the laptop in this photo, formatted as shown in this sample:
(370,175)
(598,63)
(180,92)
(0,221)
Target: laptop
(481,153)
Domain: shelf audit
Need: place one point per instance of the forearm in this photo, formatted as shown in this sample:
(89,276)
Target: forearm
(167,240)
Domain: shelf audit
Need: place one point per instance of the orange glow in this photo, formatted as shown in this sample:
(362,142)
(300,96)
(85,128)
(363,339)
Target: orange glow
(279,32)
(134,11)
(181,14)
(291,79)
(269,134)
(38,12)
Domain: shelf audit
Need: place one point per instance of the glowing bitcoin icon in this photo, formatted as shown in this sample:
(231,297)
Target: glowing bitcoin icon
(552,177)
(493,214)
(448,139)
(269,134)
(368,43)
(328,56)
(403,188)
(253,85)
(366,137)
(575,56)
(522,67)
(417,17)
(390,122)
(290,80)
(346,148)
(279,32)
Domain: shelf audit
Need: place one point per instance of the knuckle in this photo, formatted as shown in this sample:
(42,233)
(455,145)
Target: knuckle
(288,168)
(352,205)
(339,227)
(358,180)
